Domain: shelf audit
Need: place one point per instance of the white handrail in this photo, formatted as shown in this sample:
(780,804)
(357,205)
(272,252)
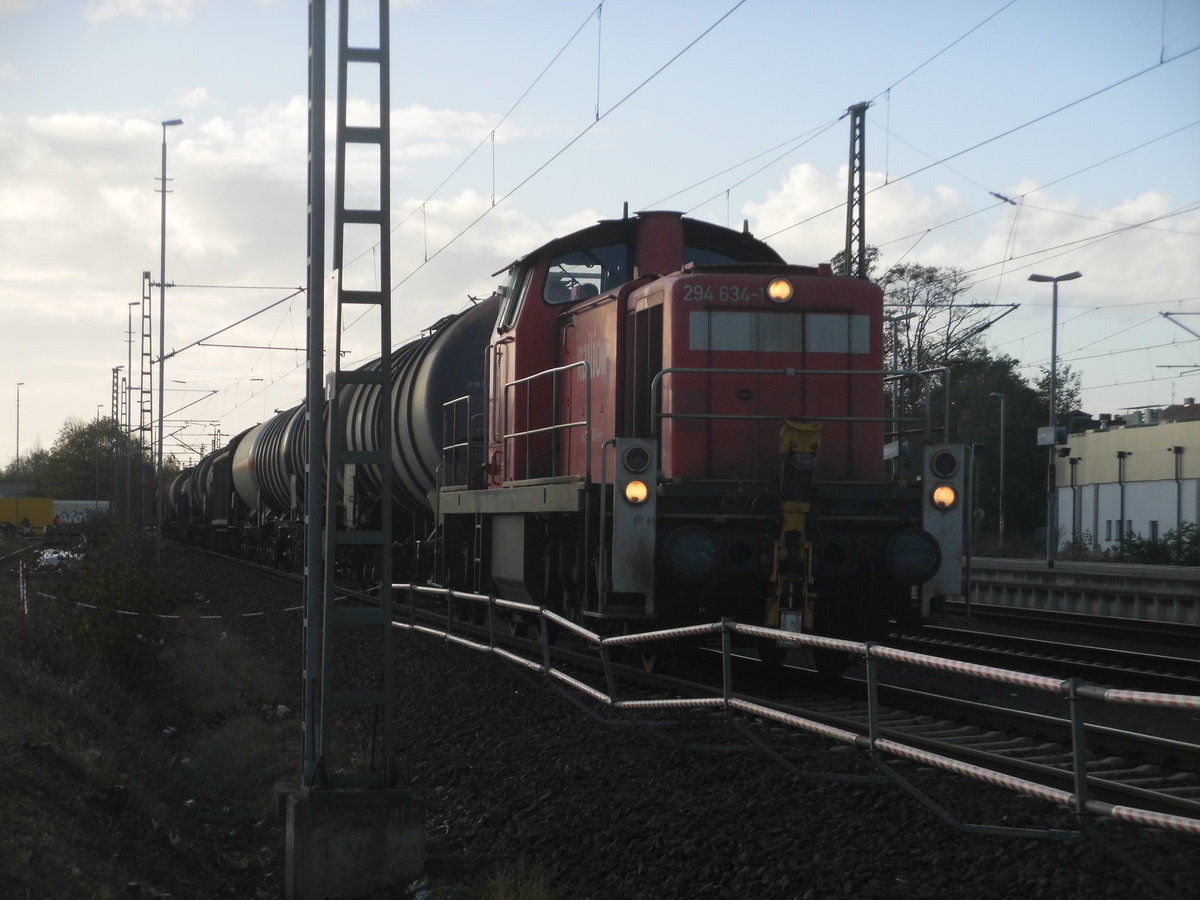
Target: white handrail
(1067,688)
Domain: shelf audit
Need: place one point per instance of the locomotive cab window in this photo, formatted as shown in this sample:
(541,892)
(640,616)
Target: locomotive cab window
(837,333)
(510,297)
(579,274)
(769,331)
(720,329)
(702,256)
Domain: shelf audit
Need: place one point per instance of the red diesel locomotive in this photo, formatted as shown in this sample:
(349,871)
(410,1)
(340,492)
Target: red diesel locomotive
(656,421)
(679,426)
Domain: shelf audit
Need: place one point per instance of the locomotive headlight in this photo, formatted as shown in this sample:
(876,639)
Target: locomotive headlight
(636,492)
(943,496)
(780,290)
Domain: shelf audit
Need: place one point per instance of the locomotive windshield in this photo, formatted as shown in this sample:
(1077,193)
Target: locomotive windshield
(701,256)
(759,331)
(579,274)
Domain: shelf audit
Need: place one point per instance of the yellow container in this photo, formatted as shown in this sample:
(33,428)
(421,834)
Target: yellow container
(39,511)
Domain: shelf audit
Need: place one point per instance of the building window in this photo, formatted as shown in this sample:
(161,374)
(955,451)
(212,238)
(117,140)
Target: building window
(1154,529)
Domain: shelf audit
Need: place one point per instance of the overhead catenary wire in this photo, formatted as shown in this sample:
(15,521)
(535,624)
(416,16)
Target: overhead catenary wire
(1022,197)
(801,138)
(820,129)
(569,144)
(429,257)
(953,43)
(1086,241)
(491,135)
(1003,134)
(296,292)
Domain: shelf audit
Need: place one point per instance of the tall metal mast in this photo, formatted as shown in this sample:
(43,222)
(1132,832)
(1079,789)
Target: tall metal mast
(374,224)
(856,194)
(314,399)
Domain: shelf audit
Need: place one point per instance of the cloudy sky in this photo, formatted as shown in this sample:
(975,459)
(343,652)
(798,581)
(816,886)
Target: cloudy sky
(532,118)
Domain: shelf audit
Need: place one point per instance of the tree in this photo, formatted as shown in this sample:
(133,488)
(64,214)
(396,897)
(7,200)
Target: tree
(1067,393)
(939,328)
(838,262)
(940,323)
(976,380)
(27,469)
(89,460)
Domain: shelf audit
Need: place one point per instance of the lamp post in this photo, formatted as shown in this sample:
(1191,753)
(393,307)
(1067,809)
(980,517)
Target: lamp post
(1051,487)
(17,459)
(1003,398)
(96,426)
(162,355)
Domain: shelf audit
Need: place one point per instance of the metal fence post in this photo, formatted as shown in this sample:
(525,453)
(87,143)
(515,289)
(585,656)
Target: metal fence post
(1078,745)
(726,662)
(872,696)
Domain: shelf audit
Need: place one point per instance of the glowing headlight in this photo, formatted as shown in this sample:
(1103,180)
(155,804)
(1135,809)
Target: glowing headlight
(636,492)
(780,290)
(943,496)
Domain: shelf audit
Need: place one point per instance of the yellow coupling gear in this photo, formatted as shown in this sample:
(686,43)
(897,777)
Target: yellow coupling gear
(799,443)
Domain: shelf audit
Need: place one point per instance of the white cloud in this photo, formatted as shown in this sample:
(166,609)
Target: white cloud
(32,202)
(104,10)
(806,213)
(76,128)
(195,98)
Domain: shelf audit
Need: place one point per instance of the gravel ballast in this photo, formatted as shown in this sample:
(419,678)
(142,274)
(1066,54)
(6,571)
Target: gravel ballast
(511,771)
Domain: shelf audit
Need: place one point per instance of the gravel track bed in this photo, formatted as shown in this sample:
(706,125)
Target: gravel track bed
(512,771)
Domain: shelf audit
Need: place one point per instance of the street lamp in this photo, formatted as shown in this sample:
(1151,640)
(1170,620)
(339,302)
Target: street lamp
(1051,487)
(162,346)
(1003,398)
(96,511)
(17,461)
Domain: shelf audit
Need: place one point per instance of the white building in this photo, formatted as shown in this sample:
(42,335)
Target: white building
(1131,479)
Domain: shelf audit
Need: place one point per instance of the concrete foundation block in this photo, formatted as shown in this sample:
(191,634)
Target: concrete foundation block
(345,843)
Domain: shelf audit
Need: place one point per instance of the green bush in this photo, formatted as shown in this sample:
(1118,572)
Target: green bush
(1080,547)
(107,612)
(1178,547)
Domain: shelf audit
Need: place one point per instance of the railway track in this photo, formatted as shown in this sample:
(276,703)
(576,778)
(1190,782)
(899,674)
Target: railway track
(1083,623)
(1138,669)
(1127,764)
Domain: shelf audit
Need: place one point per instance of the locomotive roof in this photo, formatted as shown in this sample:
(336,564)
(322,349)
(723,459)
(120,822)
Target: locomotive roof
(695,232)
